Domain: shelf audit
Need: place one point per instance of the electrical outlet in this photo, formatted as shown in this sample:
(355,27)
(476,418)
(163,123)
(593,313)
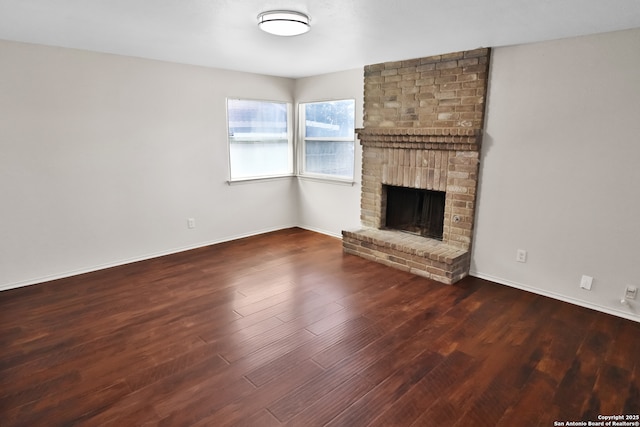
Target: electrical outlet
(191,222)
(521,255)
(630,292)
(585,282)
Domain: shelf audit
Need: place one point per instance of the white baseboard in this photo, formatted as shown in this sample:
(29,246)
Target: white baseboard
(321,231)
(581,303)
(62,275)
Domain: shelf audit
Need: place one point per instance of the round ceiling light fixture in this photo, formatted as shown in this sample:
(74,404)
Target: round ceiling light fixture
(284,22)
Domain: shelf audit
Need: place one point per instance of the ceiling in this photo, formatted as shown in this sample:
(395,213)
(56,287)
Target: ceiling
(345,34)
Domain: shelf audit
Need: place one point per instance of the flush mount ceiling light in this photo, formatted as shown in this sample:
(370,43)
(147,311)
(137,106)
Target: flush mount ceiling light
(284,22)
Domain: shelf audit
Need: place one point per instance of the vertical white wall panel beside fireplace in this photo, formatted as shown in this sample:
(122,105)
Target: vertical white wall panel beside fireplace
(324,206)
(560,170)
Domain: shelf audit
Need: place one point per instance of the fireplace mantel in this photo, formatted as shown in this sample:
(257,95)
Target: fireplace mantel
(455,139)
(431,131)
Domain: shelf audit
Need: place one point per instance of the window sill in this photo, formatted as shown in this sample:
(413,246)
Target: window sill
(258,179)
(313,178)
(327,180)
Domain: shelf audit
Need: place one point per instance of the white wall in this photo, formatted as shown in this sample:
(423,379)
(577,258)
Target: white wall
(560,171)
(323,206)
(104,157)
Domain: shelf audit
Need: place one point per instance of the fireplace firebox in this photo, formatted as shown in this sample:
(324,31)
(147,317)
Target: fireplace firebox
(415,211)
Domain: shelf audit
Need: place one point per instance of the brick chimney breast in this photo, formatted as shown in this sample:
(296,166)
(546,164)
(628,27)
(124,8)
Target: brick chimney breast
(423,123)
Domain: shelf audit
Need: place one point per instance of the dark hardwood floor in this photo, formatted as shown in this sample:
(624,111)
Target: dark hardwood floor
(283,329)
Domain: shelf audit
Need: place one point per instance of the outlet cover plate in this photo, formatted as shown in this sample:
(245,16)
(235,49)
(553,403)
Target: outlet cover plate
(630,292)
(586,282)
(521,255)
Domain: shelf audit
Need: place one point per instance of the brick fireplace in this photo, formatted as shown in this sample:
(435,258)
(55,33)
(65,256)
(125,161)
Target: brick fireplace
(422,130)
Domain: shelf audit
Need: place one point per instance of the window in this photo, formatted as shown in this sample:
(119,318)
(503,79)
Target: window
(259,139)
(328,138)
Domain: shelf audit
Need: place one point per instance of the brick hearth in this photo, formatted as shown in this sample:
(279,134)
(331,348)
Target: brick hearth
(423,120)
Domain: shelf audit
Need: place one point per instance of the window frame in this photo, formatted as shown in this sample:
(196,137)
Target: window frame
(302,140)
(290,143)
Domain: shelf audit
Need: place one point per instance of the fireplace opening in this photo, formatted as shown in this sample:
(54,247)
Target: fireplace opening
(415,211)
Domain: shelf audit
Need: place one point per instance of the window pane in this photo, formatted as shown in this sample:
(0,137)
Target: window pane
(329,157)
(324,121)
(333,119)
(252,159)
(258,138)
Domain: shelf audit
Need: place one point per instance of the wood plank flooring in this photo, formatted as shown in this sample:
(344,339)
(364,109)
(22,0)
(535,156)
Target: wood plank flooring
(283,329)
